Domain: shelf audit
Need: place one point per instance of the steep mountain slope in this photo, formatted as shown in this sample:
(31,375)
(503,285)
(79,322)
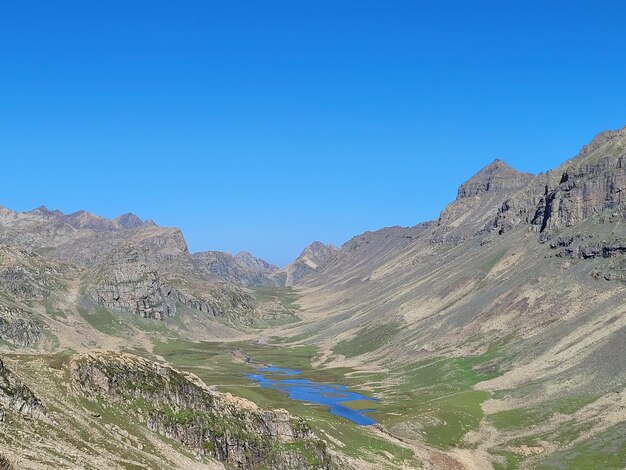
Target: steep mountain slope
(524,272)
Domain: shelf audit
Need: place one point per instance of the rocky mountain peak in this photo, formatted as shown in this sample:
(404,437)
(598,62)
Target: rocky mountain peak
(248,260)
(82,219)
(43,210)
(609,143)
(86,220)
(496,176)
(128,221)
(312,258)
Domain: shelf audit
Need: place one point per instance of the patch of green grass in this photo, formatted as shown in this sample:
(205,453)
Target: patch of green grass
(120,323)
(435,401)
(367,340)
(287,296)
(277,304)
(606,451)
(522,418)
(509,460)
(104,321)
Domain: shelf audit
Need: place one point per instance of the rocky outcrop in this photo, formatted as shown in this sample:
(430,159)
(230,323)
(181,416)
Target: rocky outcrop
(477,202)
(128,280)
(17,397)
(588,184)
(131,279)
(227,302)
(310,260)
(242,269)
(593,181)
(17,329)
(25,275)
(497,176)
(6,463)
(146,296)
(181,407)
(586,247)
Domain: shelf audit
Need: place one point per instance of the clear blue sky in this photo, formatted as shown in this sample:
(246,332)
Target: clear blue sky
(264,125)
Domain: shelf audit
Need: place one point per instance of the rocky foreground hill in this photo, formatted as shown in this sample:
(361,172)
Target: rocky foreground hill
(493,336)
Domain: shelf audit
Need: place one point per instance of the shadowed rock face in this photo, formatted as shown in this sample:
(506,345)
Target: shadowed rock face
(497,176)
(591,182)
(132,279)
(18,328)
(242,269)
(17,397)
(181,407)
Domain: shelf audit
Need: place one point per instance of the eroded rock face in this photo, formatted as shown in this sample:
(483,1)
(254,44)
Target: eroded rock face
(181,407)
(477,202)
(131,280)
(17,329)
(590,183)
(15,396)
(242,269)
(497,176)
(585,189)
(26,275)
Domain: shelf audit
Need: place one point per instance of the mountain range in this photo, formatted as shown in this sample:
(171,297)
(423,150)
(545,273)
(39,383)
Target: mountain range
(494,336)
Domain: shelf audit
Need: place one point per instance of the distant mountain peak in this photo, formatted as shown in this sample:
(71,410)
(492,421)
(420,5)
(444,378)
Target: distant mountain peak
(43,210)
(607,143)
(249,261)
(128,220)
(496,176)
(312,257)
(497,168)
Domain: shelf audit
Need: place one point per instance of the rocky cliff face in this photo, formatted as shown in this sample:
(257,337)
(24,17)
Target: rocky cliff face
(181,407)
(26,275)
(593,181)
(128,280)
(478,200)
(587,185)
(242,269)
(495,177)
(132,279)
(17,397)
(18,328)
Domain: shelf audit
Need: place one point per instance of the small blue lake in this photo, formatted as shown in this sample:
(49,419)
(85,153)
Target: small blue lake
(332,395)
